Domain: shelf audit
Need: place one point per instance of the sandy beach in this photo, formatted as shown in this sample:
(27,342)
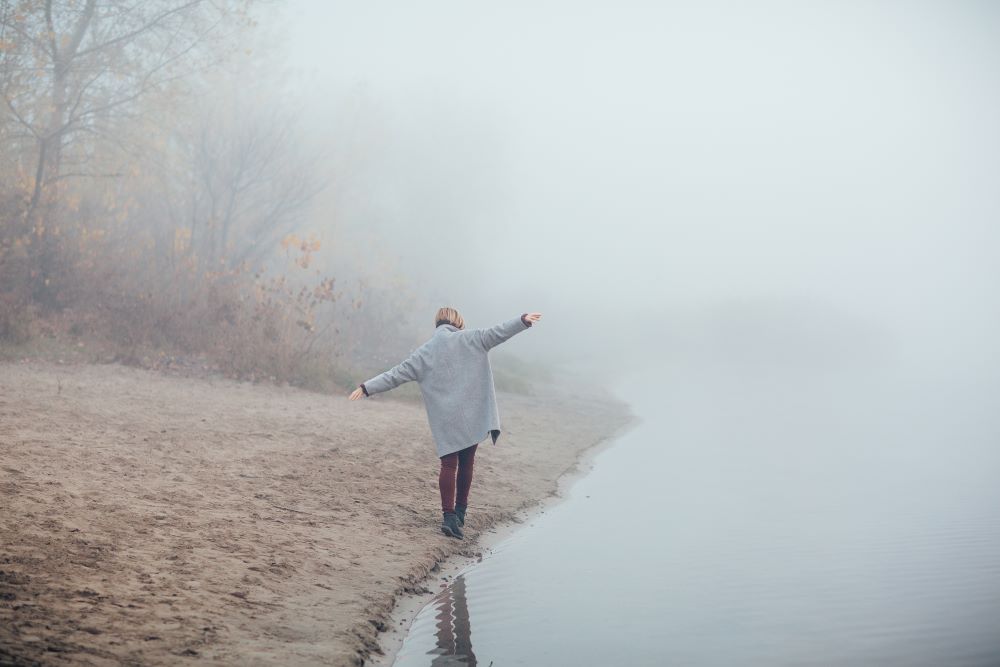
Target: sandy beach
(153,519)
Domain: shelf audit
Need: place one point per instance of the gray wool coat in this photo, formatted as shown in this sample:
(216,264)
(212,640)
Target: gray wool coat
(456,380)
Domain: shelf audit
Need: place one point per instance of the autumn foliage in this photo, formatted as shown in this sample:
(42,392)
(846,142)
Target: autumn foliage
(146,210)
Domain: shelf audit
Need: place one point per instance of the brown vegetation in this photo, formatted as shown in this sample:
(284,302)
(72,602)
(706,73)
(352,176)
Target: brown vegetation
(148,206)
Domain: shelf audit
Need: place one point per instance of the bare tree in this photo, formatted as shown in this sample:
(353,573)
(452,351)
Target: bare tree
(256,184)
(73,75)
(71,69)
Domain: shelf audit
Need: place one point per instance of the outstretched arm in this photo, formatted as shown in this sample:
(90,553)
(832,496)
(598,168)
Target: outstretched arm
(407,371)
(490,338)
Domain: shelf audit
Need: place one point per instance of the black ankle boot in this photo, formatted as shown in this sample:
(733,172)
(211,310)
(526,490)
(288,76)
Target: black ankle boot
(450,527)
(460,512)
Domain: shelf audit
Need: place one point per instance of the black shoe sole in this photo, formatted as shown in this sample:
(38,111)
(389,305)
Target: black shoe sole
(450,533)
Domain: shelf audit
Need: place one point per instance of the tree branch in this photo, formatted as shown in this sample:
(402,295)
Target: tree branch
(80,30)
(83,174)
(17,115)
(52,31)
(152,23)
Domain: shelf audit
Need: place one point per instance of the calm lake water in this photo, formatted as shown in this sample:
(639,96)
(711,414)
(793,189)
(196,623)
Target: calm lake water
(779,521)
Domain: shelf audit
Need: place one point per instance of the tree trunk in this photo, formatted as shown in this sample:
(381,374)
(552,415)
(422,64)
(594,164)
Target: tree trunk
(40,215)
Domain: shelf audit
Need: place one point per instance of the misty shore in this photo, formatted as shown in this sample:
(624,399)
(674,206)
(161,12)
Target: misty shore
(150,518)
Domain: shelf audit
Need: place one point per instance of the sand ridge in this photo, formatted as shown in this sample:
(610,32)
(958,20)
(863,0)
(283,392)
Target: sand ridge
(150,519)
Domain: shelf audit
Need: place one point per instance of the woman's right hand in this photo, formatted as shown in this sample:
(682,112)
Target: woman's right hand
(357,393)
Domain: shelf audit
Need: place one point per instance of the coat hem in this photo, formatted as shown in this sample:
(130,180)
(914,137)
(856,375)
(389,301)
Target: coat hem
(493,434)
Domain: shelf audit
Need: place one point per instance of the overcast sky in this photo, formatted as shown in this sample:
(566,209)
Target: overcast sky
(822,175)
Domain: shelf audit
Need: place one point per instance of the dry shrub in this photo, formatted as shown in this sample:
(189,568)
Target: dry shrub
(249,325)
(17,319)
(121,288)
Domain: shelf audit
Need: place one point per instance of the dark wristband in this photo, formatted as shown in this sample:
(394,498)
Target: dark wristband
(524,320)
(362,385)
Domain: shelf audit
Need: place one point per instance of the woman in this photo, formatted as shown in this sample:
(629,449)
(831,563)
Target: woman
(456,380)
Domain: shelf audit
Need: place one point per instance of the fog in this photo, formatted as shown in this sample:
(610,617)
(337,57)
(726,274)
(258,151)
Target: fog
(789,184)
(770,228)
(773,231)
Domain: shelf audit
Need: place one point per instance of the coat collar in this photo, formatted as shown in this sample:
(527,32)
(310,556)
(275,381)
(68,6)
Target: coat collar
(448,327)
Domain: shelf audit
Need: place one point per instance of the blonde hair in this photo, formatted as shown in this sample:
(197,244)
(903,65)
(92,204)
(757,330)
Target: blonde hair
(450,316)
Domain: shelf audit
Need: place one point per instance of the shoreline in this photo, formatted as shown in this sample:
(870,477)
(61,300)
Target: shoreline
(409,605)
(152,518)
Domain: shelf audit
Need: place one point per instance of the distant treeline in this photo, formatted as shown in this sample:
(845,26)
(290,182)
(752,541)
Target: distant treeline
(152,202)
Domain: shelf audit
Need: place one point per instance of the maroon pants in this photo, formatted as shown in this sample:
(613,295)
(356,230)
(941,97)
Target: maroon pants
(455,478)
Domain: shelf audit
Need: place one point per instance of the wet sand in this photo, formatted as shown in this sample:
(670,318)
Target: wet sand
(150,519)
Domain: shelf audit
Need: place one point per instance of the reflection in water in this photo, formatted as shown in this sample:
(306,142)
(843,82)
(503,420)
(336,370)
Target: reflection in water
(821,525)
(454,632)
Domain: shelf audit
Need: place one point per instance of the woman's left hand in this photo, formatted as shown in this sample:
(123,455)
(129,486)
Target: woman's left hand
(357,393)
